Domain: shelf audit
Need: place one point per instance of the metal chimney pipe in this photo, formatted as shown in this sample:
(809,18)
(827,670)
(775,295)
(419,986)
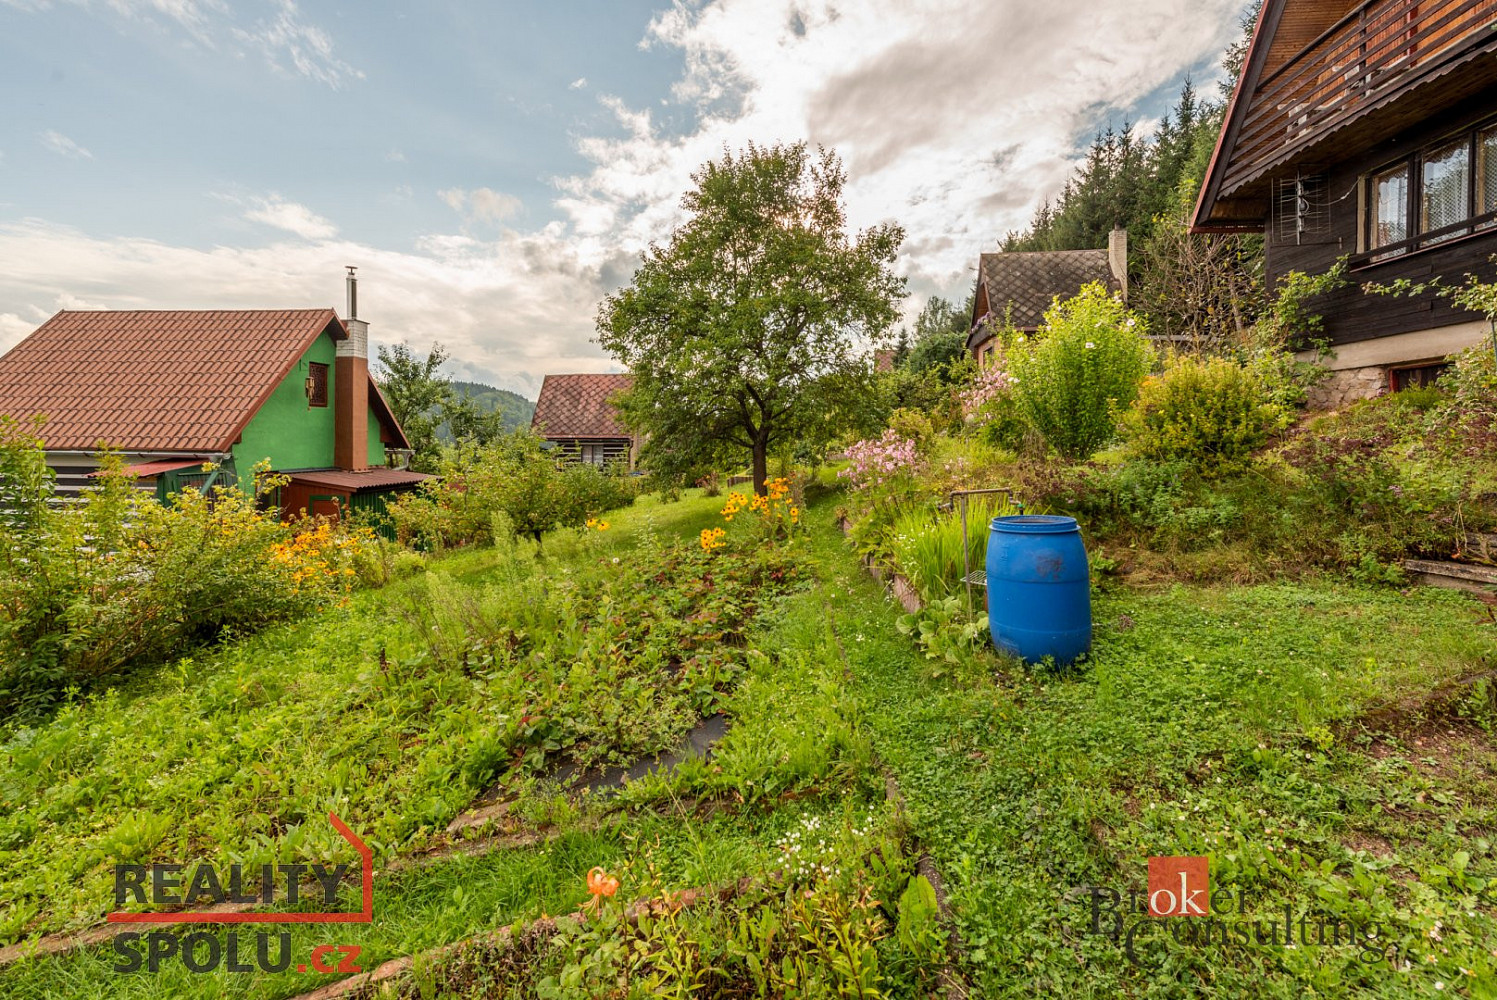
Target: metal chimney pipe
(353,292)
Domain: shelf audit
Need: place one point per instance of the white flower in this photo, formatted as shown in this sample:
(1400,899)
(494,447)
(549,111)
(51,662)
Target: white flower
(1090,345)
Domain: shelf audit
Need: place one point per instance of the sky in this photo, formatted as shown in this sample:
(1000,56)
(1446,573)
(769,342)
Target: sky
(494,169)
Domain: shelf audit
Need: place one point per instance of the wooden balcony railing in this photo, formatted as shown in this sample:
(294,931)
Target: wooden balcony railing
(1377,47)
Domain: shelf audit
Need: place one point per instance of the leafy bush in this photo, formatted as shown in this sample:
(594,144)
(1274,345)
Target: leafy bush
(945,631)
(1210,412)
(889,457)
(90,588)
(517,479)
(1469,419)
(1356,494)
(1084,368)
(604,669)
(1288,321)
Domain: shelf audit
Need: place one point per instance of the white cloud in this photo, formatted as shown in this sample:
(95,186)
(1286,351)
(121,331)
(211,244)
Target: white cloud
(481,204)
(290,216)
(578,83)
(288,42)
(286,37)
(510,310)
(63,146)
(395,156)
(955,119)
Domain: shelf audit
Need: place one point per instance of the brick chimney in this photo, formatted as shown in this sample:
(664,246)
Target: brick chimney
(1117,258)
(351,389)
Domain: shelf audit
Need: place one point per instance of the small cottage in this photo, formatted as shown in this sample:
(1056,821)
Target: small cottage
(177,390)
(1018,287)
(576,413)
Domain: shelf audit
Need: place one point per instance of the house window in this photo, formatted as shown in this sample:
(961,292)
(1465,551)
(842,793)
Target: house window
(316,384)
(593,454)
(1434,195)
(1390,206)
(1445,188)
(1416,377)
(1486,172)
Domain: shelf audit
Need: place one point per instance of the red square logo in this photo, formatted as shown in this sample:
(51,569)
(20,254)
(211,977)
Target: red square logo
(1179,887)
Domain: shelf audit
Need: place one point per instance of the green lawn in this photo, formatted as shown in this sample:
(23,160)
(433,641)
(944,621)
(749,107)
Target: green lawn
(1222,722)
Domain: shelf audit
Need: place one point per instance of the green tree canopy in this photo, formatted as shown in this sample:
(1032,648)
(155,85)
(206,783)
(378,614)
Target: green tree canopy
(417,392)
(940,336)
(742,333)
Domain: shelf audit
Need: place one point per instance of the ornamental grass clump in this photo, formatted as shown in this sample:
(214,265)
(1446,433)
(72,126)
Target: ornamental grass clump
(1073,380)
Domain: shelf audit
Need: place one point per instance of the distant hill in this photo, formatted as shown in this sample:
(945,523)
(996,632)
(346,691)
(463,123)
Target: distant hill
(514,408)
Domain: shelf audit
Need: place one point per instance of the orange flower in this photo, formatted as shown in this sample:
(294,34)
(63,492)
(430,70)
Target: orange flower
(600,884)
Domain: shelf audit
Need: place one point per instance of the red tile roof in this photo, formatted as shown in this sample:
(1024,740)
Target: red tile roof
(367,479)
(145,470)
(577,406)
(155,380)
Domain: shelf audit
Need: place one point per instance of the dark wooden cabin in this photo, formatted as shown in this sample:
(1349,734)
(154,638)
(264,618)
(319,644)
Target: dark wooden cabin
(1368,130)
(576,413)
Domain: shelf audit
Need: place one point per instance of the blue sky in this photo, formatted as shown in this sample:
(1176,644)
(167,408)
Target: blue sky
(495,168)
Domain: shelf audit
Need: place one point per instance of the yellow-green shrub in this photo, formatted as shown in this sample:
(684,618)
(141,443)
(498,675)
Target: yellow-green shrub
(90,588)
(1082,370)
(1210,412)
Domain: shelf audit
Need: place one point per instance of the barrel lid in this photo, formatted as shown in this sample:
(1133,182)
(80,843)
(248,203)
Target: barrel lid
(1035,524)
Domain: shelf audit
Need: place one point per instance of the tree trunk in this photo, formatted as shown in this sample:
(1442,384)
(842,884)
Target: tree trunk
(761,466)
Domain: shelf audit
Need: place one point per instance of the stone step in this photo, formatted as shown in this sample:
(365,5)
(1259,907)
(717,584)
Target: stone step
(1458,576)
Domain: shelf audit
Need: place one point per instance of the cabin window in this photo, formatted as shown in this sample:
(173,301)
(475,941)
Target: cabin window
(1445,188)
(1486,171)
(1390,206)
(1442,193)
(1418,376)
(316,384)
(593,454)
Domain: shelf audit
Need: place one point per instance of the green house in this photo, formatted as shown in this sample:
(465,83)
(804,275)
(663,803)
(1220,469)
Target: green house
(177,390)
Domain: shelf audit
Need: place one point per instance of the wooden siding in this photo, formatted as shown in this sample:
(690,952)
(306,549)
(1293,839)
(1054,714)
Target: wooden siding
(1374,55)
(1350,314)
(614,449)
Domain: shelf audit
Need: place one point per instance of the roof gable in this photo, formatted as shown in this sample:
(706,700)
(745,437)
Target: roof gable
(155,380)
(1322,79)
(1019,286)
(577,406)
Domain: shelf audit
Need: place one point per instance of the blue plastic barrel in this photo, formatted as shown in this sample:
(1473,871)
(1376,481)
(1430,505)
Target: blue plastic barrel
(1039,593)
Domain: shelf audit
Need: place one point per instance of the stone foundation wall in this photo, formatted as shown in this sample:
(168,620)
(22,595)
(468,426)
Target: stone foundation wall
(1348,386)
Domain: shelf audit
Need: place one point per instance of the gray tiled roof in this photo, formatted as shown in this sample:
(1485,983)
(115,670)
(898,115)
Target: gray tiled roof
(1022,285)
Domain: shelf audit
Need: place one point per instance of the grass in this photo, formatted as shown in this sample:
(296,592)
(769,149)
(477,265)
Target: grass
(235,734)
(1287,731)
(240,752)
(1212,722)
